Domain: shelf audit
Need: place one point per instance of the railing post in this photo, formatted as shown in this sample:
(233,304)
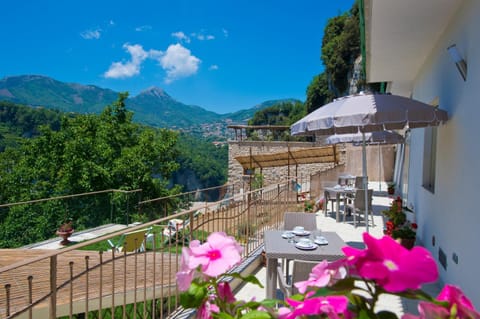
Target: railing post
(30,296)
(87,273)
(7,293)
(100,293)
(70,308)
(53,287)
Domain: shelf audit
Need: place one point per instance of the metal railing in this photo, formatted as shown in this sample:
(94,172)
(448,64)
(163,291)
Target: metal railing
(85,281)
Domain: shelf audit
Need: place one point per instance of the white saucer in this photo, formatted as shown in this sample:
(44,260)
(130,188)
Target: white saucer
(288,235)
(321,241)
(306,247)
(304,233)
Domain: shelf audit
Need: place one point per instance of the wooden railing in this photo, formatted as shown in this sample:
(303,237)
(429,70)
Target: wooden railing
(79,281)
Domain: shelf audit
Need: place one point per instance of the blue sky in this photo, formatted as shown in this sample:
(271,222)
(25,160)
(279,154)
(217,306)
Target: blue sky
(221,55)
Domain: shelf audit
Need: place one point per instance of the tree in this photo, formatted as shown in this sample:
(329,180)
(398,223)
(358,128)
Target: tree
(318,93)
(88,153)
(340,48)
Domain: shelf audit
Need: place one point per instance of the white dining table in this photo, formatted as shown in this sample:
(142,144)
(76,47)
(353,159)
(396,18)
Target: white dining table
(277,247)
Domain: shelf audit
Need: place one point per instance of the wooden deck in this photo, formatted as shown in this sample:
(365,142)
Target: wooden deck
(117,280)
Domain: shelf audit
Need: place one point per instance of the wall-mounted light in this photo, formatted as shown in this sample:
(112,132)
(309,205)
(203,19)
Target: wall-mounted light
(459,61)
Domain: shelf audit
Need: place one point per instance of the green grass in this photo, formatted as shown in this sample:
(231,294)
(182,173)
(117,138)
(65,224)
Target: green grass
(160,245)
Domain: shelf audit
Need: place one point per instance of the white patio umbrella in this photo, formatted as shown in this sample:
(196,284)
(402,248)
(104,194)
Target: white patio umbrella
(368,112)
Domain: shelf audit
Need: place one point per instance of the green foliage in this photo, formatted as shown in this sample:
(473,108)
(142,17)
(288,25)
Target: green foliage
(318,93)
(18,121)
(88,153)
(201,162)
(340,48)
(283,113)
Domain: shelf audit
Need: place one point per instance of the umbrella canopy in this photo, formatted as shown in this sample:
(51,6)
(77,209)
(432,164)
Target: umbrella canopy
(380,137)
(368,113)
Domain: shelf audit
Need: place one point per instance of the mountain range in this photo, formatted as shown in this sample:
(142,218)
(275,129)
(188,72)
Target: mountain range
(152,106)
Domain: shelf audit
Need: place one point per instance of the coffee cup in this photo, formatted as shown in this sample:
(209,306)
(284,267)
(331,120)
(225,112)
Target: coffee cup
(299,229)
(305,241)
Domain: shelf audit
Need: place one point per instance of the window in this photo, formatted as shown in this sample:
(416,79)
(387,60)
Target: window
(429,156)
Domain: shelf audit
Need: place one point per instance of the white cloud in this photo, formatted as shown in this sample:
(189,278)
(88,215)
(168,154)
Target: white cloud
(155,54)
(91,34)
(213,67)
(129,68)
(202,36)
(178,62)
(225,33)
(112,23)
(143,28)
(180,36)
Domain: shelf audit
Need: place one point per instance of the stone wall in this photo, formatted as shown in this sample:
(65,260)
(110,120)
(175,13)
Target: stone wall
(350,162)
(271,175)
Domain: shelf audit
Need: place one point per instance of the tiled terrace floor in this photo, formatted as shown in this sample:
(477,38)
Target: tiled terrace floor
(352,236)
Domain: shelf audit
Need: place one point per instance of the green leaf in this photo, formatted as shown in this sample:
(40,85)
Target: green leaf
(346,284)
(223,315)
(270,303)
(256,314)
(194,296)
(250,279)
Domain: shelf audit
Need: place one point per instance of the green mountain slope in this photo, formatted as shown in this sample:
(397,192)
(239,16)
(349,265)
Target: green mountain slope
(153,106)
(37,90)
(156,108)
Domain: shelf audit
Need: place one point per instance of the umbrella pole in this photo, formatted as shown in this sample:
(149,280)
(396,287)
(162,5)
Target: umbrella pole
(365,177)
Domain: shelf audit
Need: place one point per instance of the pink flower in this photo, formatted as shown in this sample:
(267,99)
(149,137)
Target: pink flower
(216,256)
(225,292)
(428,310)
(331,306)
(185,275)
(455,297)
(206,309)
(392,266)
(321,275)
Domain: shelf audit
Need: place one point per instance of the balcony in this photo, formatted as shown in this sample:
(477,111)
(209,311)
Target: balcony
(45,282)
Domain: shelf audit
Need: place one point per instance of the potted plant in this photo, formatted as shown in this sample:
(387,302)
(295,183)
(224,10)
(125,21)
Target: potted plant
(406,234)
(65,230)
(397,225)
(308,206)
(391,188)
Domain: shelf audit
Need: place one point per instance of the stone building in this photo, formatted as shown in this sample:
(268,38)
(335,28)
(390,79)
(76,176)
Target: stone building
(276,140)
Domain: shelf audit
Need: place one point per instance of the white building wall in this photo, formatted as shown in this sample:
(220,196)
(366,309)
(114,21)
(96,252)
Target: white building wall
(452,213)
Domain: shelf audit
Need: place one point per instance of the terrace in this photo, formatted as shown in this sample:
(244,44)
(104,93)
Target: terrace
(87,278)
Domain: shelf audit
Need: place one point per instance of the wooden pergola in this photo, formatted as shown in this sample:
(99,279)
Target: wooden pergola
(324,154)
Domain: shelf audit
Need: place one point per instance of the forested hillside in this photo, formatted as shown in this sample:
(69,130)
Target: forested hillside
(85,153)
(17,121)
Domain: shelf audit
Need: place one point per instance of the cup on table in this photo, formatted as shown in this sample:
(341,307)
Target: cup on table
(305,241)
(299,229)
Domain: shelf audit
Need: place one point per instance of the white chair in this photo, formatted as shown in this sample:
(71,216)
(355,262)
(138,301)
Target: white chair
(300,272)
(307,220)
(357,207)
